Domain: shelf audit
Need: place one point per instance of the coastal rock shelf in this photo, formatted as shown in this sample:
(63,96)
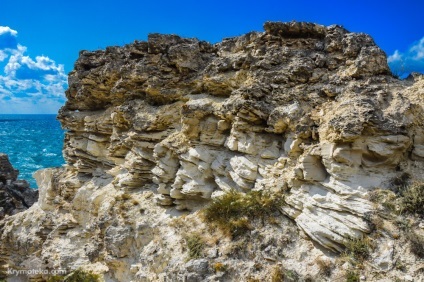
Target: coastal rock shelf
(159,128)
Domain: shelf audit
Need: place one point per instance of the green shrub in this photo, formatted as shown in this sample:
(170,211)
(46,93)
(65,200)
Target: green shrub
(195,245)
(78,275)
(386,198)
(358,249)
(352,276)
(412,201)
(404,199)
(233,211)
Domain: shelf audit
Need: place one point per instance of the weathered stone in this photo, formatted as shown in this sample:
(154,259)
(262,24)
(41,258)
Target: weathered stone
(157,129)
(7,172)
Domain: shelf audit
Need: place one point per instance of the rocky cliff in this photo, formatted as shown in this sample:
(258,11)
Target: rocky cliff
(15,195)
(157,129)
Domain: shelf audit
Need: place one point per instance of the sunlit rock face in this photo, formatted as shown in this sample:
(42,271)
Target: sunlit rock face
(301,109)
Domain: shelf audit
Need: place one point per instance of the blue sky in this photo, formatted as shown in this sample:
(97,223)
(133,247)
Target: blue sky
(40,40)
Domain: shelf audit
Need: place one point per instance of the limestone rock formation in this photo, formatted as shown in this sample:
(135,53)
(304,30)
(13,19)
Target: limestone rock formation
(160,127)
(15,195)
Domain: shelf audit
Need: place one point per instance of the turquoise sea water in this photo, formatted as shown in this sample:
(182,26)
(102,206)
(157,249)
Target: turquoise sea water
(32,142)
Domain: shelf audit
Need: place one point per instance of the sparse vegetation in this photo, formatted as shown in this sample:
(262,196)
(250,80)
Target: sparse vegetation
(195,245)
(290,276)
(417,244)
(55,278)
(352,276)
(277,274)
(325,266)
(219,267)
(125,202)
(412,201)
(375,222)
(78,275)
(280,274)
(386,198)
(397,184)
(399,265)
(403,223)
(358,250)
(233,211)
(404,198)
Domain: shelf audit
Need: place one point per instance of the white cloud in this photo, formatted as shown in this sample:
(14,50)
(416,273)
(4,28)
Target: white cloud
(418,50)
(395,57)
(8,38)
(3,55)
(412,60)
(6,29)
(28,85)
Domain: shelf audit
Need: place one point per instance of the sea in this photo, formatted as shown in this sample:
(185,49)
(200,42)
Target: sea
(32,142)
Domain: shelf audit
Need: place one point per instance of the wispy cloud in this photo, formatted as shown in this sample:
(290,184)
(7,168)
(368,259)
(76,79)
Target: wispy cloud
(8,38)
(412,60)
(28,85)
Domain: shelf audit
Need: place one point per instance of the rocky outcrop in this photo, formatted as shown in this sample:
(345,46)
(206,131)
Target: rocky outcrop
(15,195)
(301,109)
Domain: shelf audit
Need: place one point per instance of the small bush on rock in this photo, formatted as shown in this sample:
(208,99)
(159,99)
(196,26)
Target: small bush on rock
(413,199)
(352,276)
(406,199)
(358,249)
(233,211)
(195,245)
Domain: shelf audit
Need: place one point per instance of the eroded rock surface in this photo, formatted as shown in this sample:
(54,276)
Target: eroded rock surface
(303,109)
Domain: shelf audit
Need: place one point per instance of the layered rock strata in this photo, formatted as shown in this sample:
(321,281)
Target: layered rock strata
(301,109)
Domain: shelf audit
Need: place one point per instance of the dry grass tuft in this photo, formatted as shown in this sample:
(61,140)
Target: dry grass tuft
(412,201)
(195,246)
(358,250)
(233,211)
(325,266)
